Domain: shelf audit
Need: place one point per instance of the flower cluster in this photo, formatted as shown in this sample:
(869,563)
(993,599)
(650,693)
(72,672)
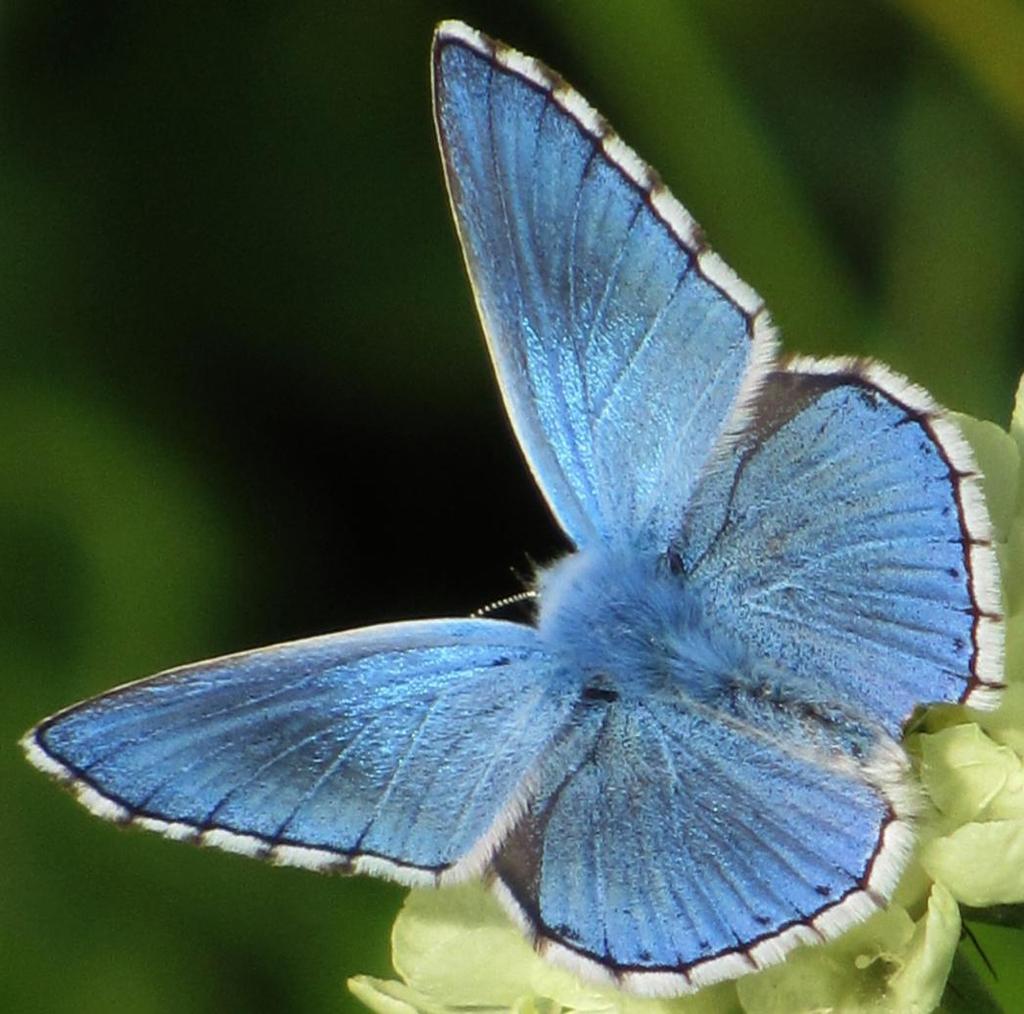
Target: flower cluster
(456,950)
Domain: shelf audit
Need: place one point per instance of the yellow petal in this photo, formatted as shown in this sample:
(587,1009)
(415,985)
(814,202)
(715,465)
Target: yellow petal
(388,997)
(1011,563)
(981,863)
(998,456)
(970,776)
(848,975)
(917,987)
(1006,725)
(1017,422)
(458,948)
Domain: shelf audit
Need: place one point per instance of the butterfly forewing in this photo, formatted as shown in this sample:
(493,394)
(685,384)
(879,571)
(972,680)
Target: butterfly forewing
(403,743)
(619,358)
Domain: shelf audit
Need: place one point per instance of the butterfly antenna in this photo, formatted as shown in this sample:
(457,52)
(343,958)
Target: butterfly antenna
(508,600)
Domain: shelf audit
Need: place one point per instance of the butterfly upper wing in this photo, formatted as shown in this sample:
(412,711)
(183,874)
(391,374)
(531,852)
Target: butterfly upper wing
(672,844)
(622,345)
(392,749)
(847,540)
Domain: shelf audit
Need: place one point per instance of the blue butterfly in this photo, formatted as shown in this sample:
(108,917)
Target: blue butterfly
(690,763)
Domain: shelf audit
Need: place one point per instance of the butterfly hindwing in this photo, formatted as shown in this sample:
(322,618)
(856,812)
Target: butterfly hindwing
(401,744)
(847,539)
(720,835)
(622,344)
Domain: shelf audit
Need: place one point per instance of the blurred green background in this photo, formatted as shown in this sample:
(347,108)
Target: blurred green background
(245,397)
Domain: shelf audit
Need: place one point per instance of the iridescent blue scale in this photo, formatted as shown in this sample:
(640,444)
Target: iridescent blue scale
(690,763)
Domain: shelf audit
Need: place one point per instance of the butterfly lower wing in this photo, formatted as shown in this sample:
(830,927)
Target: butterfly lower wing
(622,345)
(672,846)
(848,540)
(396,749)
